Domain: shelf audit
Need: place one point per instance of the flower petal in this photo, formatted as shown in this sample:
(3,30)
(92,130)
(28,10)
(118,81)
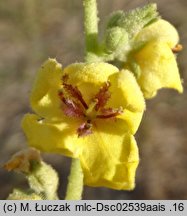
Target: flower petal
(126,93)
(159,30)
(89,77)
(132,120)
(53,137)
(159,69)
(109,157)
(44,96)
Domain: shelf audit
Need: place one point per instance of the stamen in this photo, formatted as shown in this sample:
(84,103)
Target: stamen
(75,106)
(177,48)
(102,96)
(85,129)
(72,108)
(74,92)
(65,78)
(90,112)
(110,113)
(61,96)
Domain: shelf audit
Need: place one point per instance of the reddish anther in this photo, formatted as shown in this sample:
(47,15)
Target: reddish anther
(74,92)
(102,96)
(109,113)
(75,106)
(72,108)
(84,129)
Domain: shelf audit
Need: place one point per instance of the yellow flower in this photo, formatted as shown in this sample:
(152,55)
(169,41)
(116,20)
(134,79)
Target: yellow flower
(155,58)
(90,112)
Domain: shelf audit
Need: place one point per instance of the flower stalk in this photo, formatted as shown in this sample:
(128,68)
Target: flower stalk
(75,181)
(90,28)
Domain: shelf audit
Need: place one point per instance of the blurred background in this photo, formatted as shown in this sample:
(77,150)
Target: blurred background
(33,30)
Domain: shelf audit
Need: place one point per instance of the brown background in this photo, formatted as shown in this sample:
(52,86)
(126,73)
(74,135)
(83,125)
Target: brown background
(33,30)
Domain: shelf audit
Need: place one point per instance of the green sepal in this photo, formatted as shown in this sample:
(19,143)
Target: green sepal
(43,179)
(115,38)
(134,20)
(19,194)
(114,19)
(135,68)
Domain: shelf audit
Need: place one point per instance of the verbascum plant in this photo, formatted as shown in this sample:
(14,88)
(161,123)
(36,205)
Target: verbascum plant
(91,111)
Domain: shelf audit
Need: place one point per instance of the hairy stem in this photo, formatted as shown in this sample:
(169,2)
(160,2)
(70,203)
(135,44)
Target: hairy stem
(75,181)
(90,27)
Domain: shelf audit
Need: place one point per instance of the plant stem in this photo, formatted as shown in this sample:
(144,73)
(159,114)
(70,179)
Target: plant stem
(75,181)
(90,27)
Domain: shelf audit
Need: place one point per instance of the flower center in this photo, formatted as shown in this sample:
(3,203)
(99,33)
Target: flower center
(74,105)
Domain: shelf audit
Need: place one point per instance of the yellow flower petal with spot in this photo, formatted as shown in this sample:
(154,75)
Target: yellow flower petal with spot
(159,69)
(101,138)
(47,136)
